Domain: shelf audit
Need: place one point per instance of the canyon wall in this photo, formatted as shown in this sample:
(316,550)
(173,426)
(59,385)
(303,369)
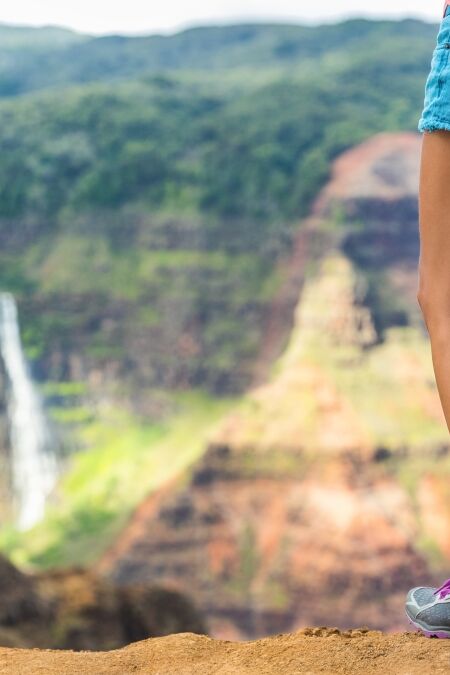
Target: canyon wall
(311,504)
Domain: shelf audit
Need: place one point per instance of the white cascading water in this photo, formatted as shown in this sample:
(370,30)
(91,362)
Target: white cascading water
(34,467)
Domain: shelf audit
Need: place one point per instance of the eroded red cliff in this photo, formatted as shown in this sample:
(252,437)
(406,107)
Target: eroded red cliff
(311,503)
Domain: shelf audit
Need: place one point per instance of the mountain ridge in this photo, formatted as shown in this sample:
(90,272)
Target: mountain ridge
(204,49)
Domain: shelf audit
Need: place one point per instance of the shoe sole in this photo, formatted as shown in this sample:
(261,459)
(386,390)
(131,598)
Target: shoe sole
(428,631)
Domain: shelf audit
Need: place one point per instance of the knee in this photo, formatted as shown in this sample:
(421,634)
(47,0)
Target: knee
(435,308)
(423,300)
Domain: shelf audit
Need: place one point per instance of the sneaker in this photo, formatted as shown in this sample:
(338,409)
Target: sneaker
(428,609)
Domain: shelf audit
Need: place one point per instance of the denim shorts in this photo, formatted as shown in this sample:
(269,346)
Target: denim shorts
(436,112)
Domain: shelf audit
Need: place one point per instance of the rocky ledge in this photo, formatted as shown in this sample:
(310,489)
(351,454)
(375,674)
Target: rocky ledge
(311,650)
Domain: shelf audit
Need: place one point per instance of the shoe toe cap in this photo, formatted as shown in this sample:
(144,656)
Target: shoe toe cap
(417,598)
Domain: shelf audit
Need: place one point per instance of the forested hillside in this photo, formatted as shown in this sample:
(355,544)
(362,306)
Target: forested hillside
(37,58)
(107,190)
(150,193)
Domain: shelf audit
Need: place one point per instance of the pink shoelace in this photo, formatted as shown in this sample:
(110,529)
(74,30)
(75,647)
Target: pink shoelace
(444,590)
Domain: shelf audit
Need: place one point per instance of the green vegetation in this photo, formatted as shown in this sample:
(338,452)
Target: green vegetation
(123,461)
(149,188)
(335,386)
(158,206)
(53,57)
(387,386)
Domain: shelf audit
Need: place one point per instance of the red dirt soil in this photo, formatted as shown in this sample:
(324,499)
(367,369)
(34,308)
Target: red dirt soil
(309,651)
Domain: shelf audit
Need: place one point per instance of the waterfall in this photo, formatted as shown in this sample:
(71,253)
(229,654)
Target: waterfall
(33,460)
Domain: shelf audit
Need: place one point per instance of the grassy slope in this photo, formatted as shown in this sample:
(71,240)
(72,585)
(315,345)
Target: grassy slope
(331,372)
(123,461)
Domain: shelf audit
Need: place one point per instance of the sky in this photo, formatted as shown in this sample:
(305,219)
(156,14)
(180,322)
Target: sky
(139,16)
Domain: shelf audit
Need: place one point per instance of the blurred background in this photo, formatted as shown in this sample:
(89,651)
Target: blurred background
(217,405)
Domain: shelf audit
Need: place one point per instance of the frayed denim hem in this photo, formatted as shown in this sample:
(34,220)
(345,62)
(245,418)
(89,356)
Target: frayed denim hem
(433,124)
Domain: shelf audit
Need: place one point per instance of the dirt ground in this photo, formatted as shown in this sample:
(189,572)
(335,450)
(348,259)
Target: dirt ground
(310,651)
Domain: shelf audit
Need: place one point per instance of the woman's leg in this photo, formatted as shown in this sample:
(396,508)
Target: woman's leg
(434,265)
(428,609)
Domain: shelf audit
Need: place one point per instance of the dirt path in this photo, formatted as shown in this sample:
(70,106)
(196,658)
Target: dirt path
(307,652)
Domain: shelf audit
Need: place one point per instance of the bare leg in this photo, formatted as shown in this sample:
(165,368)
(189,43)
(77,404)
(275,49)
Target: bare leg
(434,266)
